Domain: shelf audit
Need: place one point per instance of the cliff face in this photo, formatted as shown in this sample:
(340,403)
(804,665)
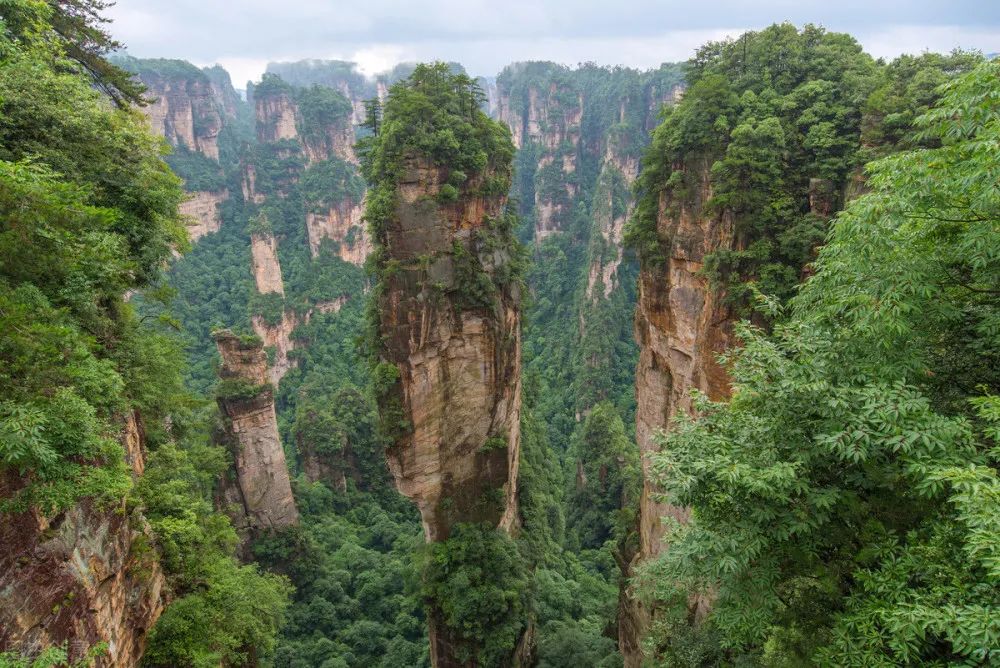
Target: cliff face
(275,117)
(681,326)
(261,488)
(202,207)
(266,268)
(459,368)
(342,224)
(548,117)
(190,108)
(87,576)
(186,111)
(280,117)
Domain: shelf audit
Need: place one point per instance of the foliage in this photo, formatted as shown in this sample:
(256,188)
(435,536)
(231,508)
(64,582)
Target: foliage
(604,490)
(844,501)
(88,212)
(319,110)
(330,182)
(198,171)
(769,135)
(434,114)
(51,657)
(232,620)
(478,580)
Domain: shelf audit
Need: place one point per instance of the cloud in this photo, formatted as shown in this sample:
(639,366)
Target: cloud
(485,35)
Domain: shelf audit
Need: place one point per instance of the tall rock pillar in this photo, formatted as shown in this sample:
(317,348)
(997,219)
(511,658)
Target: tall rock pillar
(261,489)
(681,325)
(447,318)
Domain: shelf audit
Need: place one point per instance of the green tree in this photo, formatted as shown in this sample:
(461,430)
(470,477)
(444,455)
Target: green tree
(845,501)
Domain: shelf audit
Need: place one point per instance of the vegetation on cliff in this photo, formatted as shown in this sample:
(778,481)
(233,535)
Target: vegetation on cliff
(88,214)
(772,131)
(845,500)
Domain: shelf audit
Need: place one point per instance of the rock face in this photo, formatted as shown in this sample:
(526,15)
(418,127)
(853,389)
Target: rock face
(202,207)
(460,384)
(681,326)
(341,224)
(86,576)
(261,488)
(266,268)
(279,117)
(275,117)
(548,117)
(279,337)
(188,109)
(456,361)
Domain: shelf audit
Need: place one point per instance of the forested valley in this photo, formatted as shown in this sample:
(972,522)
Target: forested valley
(563,367)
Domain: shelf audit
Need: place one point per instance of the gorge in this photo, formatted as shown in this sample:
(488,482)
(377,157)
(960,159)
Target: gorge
(579,366)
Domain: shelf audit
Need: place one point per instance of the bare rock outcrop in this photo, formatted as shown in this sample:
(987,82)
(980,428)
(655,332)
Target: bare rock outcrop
(275,117)
(681,325)
(341,224)
(266,268)
(278,337)
(459,368)
(260,486)
(202,209)
(550,119)
(185,109)
(85,576)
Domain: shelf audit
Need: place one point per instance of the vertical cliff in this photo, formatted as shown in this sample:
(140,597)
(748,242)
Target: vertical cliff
(728,210)
(341,224)
(190,108)
(84,577)
(457,355)
(682,325)
(447,329)
(260,487)
(266,266)
(202,208)
(580,134)
(544,116)
(318,119)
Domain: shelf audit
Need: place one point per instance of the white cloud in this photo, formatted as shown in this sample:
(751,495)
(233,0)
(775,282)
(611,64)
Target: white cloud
(485,35)
(893,40)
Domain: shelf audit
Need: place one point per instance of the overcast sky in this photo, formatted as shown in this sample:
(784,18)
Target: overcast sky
(244,36)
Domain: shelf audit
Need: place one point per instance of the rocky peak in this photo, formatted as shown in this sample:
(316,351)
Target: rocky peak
(319,119)
(261,490)
(189,107)
(459,367)
(275,116)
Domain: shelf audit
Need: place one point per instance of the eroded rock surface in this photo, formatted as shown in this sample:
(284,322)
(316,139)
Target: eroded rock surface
(260,487)
(459,365)
(266,268)
(342,225)
(189,111)
(202,209)
(681,326)
(86,576)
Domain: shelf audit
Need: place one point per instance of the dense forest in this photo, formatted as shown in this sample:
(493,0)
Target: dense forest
(342,371)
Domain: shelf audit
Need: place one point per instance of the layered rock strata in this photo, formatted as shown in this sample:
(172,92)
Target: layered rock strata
(450,367)
(459,367)
(260,488)
(682,325)
(342,225)
(202,211)
(84,577)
